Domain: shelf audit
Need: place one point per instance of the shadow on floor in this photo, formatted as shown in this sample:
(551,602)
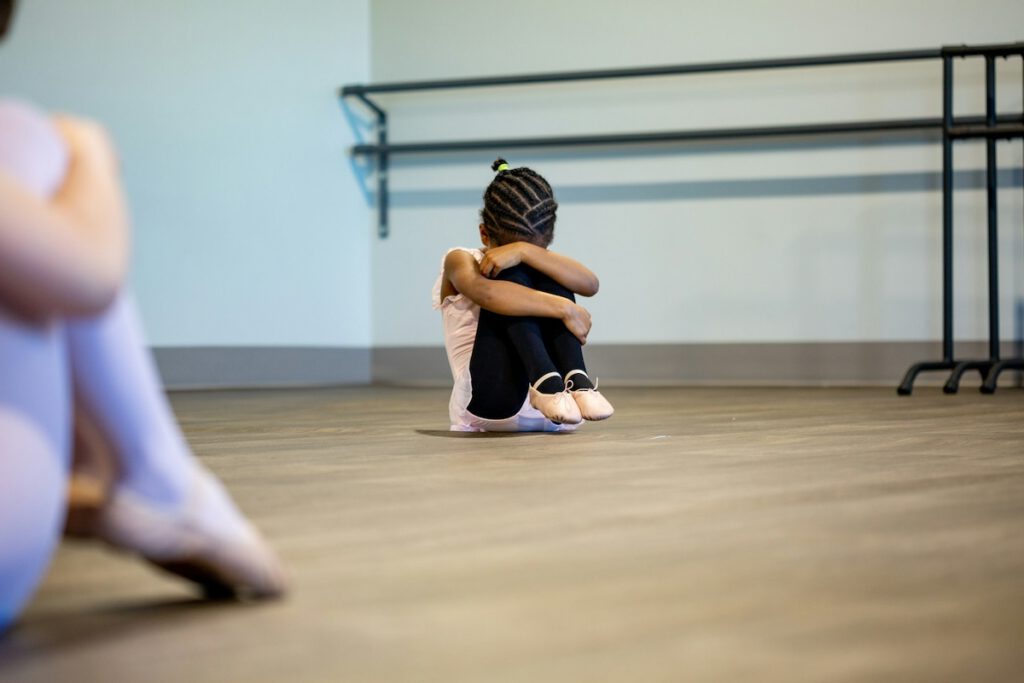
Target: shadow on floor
(60,631)
(483,435)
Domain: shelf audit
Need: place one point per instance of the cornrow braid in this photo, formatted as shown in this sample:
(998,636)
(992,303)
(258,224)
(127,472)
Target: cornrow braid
(519,206)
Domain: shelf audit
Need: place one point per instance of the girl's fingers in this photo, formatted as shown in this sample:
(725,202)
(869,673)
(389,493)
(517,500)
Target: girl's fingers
(489,268)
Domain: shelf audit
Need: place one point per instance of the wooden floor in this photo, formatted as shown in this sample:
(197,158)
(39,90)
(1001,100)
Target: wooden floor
(700,534)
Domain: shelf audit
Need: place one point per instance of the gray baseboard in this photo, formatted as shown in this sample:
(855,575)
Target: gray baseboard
(220,367)
(808,364)
(811,363)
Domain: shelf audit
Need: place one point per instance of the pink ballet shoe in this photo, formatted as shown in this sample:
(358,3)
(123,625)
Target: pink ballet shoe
(592,405)
(558,407)
(205,540)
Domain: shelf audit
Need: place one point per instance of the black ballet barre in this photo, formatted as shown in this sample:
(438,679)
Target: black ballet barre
(640,72)
(990,128)
(381,151)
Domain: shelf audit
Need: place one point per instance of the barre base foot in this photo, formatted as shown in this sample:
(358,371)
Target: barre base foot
(907,385)
(989,385)
(953,383)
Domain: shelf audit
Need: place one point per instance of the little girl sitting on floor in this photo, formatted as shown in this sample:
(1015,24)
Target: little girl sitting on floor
(513,330)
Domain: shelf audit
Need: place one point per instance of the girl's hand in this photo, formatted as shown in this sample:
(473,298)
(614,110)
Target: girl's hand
(497,259)
(88,143)
(577,320)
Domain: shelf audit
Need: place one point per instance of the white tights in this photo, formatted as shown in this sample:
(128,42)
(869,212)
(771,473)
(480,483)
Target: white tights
(98,365)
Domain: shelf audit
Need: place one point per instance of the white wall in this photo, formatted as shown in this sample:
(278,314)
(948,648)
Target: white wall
(250,227)
(715,243)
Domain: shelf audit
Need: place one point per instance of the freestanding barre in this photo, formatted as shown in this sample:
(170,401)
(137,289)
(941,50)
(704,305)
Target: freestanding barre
(992,130)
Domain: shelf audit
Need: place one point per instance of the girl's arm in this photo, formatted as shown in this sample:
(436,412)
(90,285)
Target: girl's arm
(509,298)
(68,255)
(566,271)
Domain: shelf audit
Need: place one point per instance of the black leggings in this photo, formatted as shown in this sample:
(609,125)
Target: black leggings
(511,352)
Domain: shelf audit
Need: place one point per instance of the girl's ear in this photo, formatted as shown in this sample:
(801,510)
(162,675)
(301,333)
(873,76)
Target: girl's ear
(483,236)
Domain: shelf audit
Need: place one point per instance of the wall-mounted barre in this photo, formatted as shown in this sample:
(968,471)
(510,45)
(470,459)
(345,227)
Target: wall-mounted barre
(382,150)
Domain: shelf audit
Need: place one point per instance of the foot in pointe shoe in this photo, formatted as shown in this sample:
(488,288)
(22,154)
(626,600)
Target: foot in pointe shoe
(591,403)
(558,407)
(205,540)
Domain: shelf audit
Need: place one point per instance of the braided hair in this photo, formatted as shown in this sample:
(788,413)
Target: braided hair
(519,206)
(6,10)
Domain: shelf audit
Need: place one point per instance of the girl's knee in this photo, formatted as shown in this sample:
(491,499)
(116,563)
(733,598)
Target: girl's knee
(534,279)
(521,275)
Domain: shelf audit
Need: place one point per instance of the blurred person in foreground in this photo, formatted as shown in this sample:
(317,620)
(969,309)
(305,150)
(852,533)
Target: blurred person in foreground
(72,352)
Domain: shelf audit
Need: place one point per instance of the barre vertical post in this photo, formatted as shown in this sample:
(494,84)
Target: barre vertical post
(382,162)
(993,210)
(382,175)
(984,366)
(906,385)
(947,210)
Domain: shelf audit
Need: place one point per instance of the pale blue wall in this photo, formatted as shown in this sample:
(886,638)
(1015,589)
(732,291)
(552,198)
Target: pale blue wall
(250,228)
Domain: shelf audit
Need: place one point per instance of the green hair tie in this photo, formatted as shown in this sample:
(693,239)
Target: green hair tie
(502,167)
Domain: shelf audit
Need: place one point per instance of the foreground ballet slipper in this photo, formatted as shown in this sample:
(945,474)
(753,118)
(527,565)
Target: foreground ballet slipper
(205,540)
(592,405)
(558,407)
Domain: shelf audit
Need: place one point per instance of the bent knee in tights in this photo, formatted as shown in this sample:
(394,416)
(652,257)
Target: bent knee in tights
(529,276)
(33,476)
